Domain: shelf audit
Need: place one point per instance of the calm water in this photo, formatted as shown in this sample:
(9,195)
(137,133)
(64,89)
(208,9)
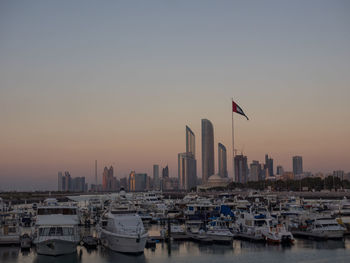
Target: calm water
(240,251)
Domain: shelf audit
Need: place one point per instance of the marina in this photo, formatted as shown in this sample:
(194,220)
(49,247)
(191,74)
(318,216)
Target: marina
(140,227)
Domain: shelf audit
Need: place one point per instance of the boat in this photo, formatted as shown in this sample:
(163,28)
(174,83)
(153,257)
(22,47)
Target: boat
(319,227)
(56,229)
(218,231)
(90,242)
(9,231)
(177,232)
(202,237)
(122,230)
(261,227)
(26,241)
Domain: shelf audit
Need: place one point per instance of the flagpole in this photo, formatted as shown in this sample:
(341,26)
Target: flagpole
(233,146)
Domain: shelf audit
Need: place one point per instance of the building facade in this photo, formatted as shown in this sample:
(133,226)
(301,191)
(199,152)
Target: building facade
(208,167)
(241,169)
(187,164)
(297,165)
(222,161)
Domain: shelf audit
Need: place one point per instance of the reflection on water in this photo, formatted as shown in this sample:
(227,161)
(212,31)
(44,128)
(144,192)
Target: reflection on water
(187,251)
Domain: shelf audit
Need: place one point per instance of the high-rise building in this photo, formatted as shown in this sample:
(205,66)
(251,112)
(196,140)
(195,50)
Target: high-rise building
(165,176)
(60,181)
(241,168)
(255,171)
(190,141)
(208,168)
(165,172)
(140,182)
(132,181)
(280,170)
(187,171)
(339,174)
(67,182)
(269,165)
(297,165)
(187,164)
(222,160)
(137,182)
(156,184)
(109,182)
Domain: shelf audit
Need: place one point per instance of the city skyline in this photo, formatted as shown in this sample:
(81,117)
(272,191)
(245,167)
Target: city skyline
(118,82)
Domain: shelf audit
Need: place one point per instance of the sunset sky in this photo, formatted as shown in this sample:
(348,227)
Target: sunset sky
(118,81)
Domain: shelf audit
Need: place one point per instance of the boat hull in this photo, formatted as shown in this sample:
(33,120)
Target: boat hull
(56,247)
(123,244)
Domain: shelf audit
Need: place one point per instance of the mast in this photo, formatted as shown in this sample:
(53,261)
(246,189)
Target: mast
(233,145)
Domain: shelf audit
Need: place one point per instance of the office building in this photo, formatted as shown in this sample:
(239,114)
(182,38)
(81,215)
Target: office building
(255,171)
(297,165)
(222,161)
(208,168)
(187,164)
(241,169)
(269,165)
(156,181)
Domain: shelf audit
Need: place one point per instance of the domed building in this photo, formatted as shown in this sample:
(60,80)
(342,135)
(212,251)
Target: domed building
(215,181)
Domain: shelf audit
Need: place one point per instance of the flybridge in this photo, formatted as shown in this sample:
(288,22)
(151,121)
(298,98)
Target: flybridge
(57,210)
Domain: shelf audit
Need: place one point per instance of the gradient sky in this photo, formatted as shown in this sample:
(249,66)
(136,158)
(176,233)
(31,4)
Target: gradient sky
(117,81)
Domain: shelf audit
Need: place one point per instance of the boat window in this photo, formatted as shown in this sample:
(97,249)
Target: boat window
(12,230)
(52,231)
(59,231)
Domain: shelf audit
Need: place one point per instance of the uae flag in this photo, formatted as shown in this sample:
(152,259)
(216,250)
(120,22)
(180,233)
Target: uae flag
(237,109)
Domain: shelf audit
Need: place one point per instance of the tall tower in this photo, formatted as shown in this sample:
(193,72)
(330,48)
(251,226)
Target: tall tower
(241,169)
(187,164)
(156,177)
(222,160)
(96,174)
(297,165)
(190,142)
(207,150)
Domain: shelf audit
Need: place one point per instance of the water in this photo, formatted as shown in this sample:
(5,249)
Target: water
(307,251)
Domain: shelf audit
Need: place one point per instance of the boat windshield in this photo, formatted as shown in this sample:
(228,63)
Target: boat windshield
(54,211)
(56,231)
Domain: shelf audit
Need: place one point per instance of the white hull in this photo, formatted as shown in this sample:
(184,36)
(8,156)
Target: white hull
(329,234)
(55,247)
(124,244)
(10,240)
(218,237)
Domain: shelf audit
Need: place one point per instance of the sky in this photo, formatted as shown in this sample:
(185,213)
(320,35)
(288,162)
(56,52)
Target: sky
(118,81)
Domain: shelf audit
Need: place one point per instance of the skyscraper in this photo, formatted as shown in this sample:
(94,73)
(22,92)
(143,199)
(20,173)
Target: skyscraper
(255,171)
(207,150)
(241,169)
(297,165)
(269,165)
(280,170)
(109,182)
(190,141)
(187,164)
(156,176)
(60,181)
(222,160)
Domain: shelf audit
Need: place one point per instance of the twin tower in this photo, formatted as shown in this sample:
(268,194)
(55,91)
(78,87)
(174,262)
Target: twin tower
(187,164)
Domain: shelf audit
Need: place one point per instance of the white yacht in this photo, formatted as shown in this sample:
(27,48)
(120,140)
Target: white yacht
(122,230)
(319,227)
(219,232)
(261,227)
(9,230)
(327,227)
(56,229)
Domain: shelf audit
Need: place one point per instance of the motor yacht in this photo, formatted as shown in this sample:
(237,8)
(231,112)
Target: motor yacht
(56,229)
(122,230)
(218,231)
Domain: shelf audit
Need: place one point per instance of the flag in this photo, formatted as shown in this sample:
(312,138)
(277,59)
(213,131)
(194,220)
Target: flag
(237,109)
